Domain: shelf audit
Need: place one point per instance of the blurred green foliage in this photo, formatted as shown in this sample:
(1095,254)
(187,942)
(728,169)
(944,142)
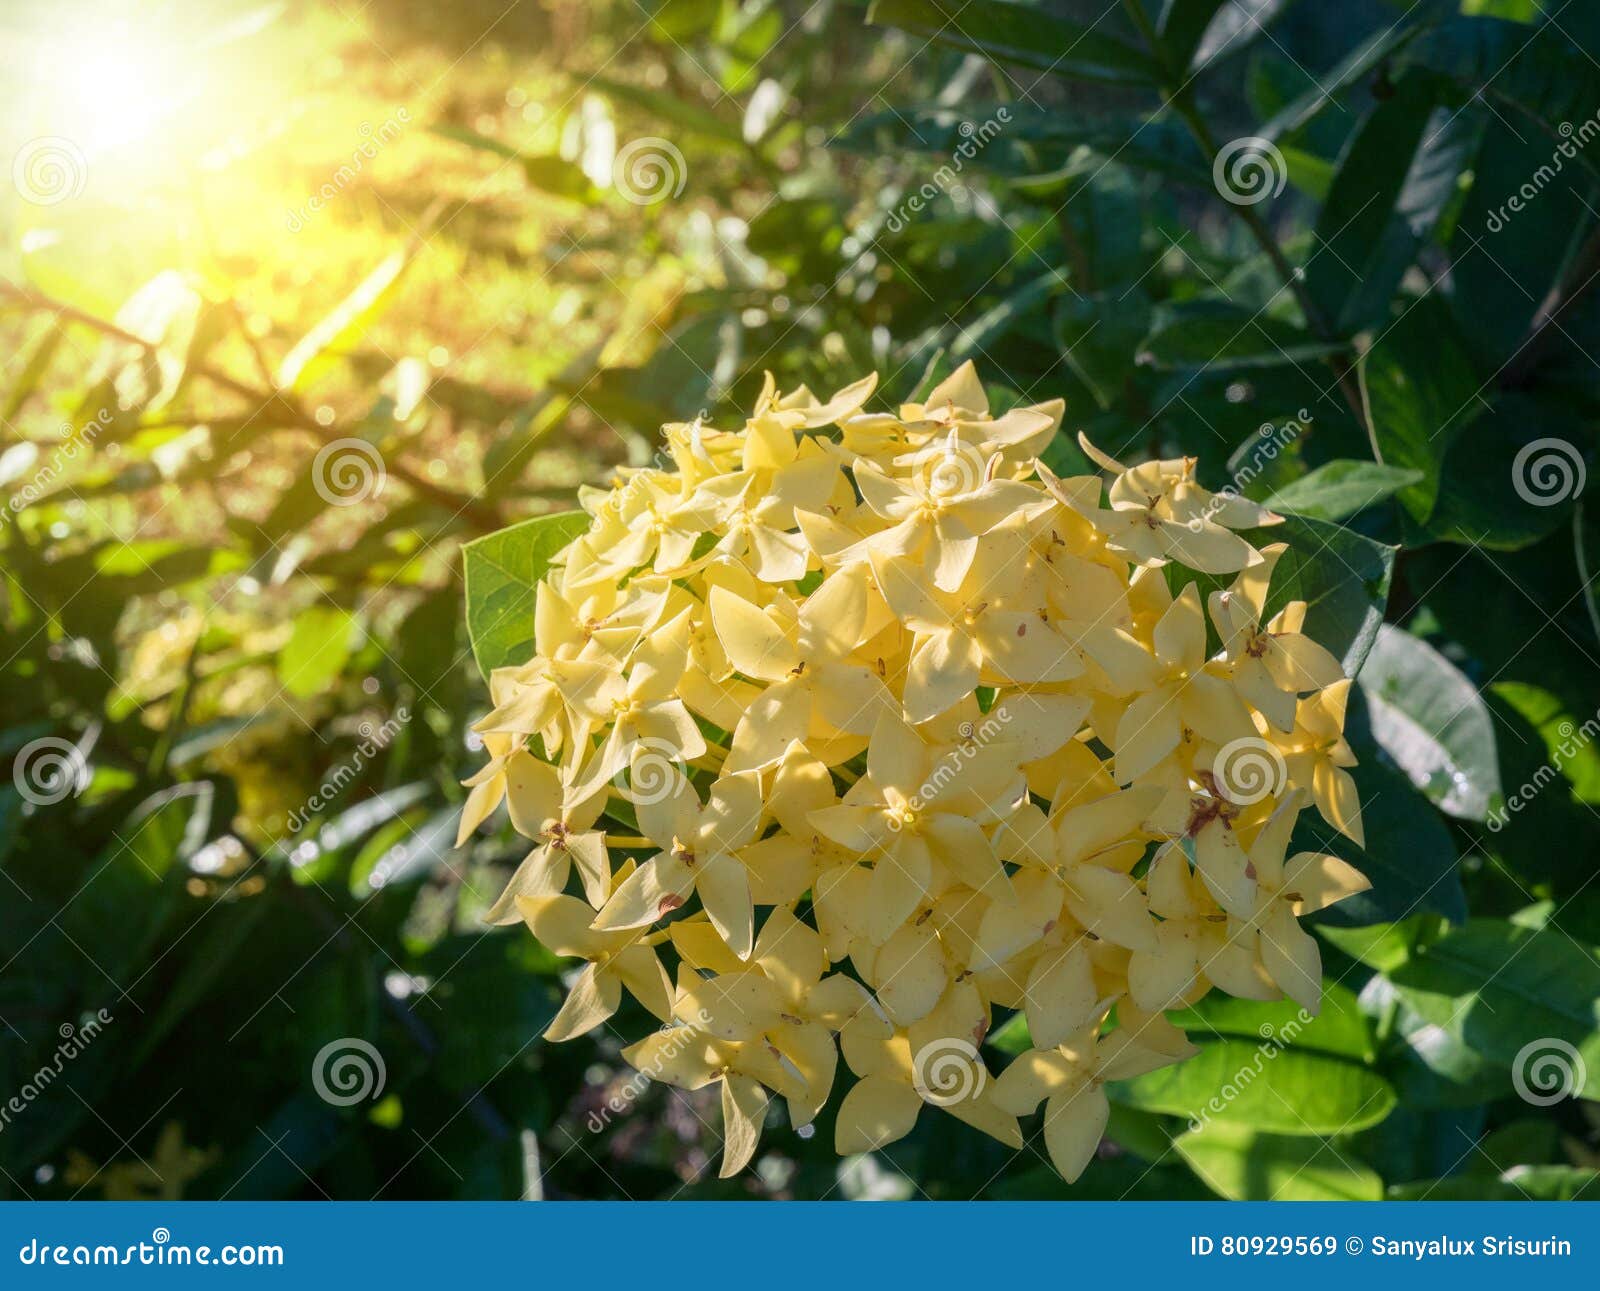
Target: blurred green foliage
(472,258)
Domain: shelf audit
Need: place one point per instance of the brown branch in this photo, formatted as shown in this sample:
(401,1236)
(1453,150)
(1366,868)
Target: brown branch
(279,405)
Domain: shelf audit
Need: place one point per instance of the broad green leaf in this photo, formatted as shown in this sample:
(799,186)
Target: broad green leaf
(1223,338)
(1340,1028)
(317,650)
(1570,743)
(1244,1165)
(1395,179)
(1511,476)
(1520,1183)
(1410,858)
(1521,227)
(502,575)
(169,314)
(1431,720)
(1527,999)
(413,853)
(1026,144)
(1341,488)
(1270,1088)
(1543,77)
(1021,34)
(1342,577)
(1099,335)
(1420,392)
(1199,32)
(1352,69)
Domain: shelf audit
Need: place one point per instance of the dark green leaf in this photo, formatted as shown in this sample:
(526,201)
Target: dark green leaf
(1019,33)
(1339,489)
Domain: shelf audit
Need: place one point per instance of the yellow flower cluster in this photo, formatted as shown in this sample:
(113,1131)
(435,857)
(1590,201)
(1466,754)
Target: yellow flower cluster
(936,713)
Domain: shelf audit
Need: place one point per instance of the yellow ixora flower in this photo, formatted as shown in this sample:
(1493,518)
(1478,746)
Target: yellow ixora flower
(892,729)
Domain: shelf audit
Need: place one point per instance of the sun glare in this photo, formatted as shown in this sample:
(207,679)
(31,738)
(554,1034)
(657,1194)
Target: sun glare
(117,93)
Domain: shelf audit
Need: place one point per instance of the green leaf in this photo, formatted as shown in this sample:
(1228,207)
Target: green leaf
(1244,1165)
(317,650)
(1198,32)
(1395,178)
(1340,1028)
(1021,34)
(1341,488)
(1511,476)
(1420,392)
(138,878)
(1508,992)
(1520,1183)
(502,575)
(1353,68)
(675,109)
(1409,859)
(1262,1085)
(548,173)
(1099,335)
(1030,146)
(1432,721)
(1342,577)
(1222,338)
(1509,250)
(1544,76)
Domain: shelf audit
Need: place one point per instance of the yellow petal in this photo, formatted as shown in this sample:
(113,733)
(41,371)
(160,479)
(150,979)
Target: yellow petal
(744,1108)
(875,1113)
